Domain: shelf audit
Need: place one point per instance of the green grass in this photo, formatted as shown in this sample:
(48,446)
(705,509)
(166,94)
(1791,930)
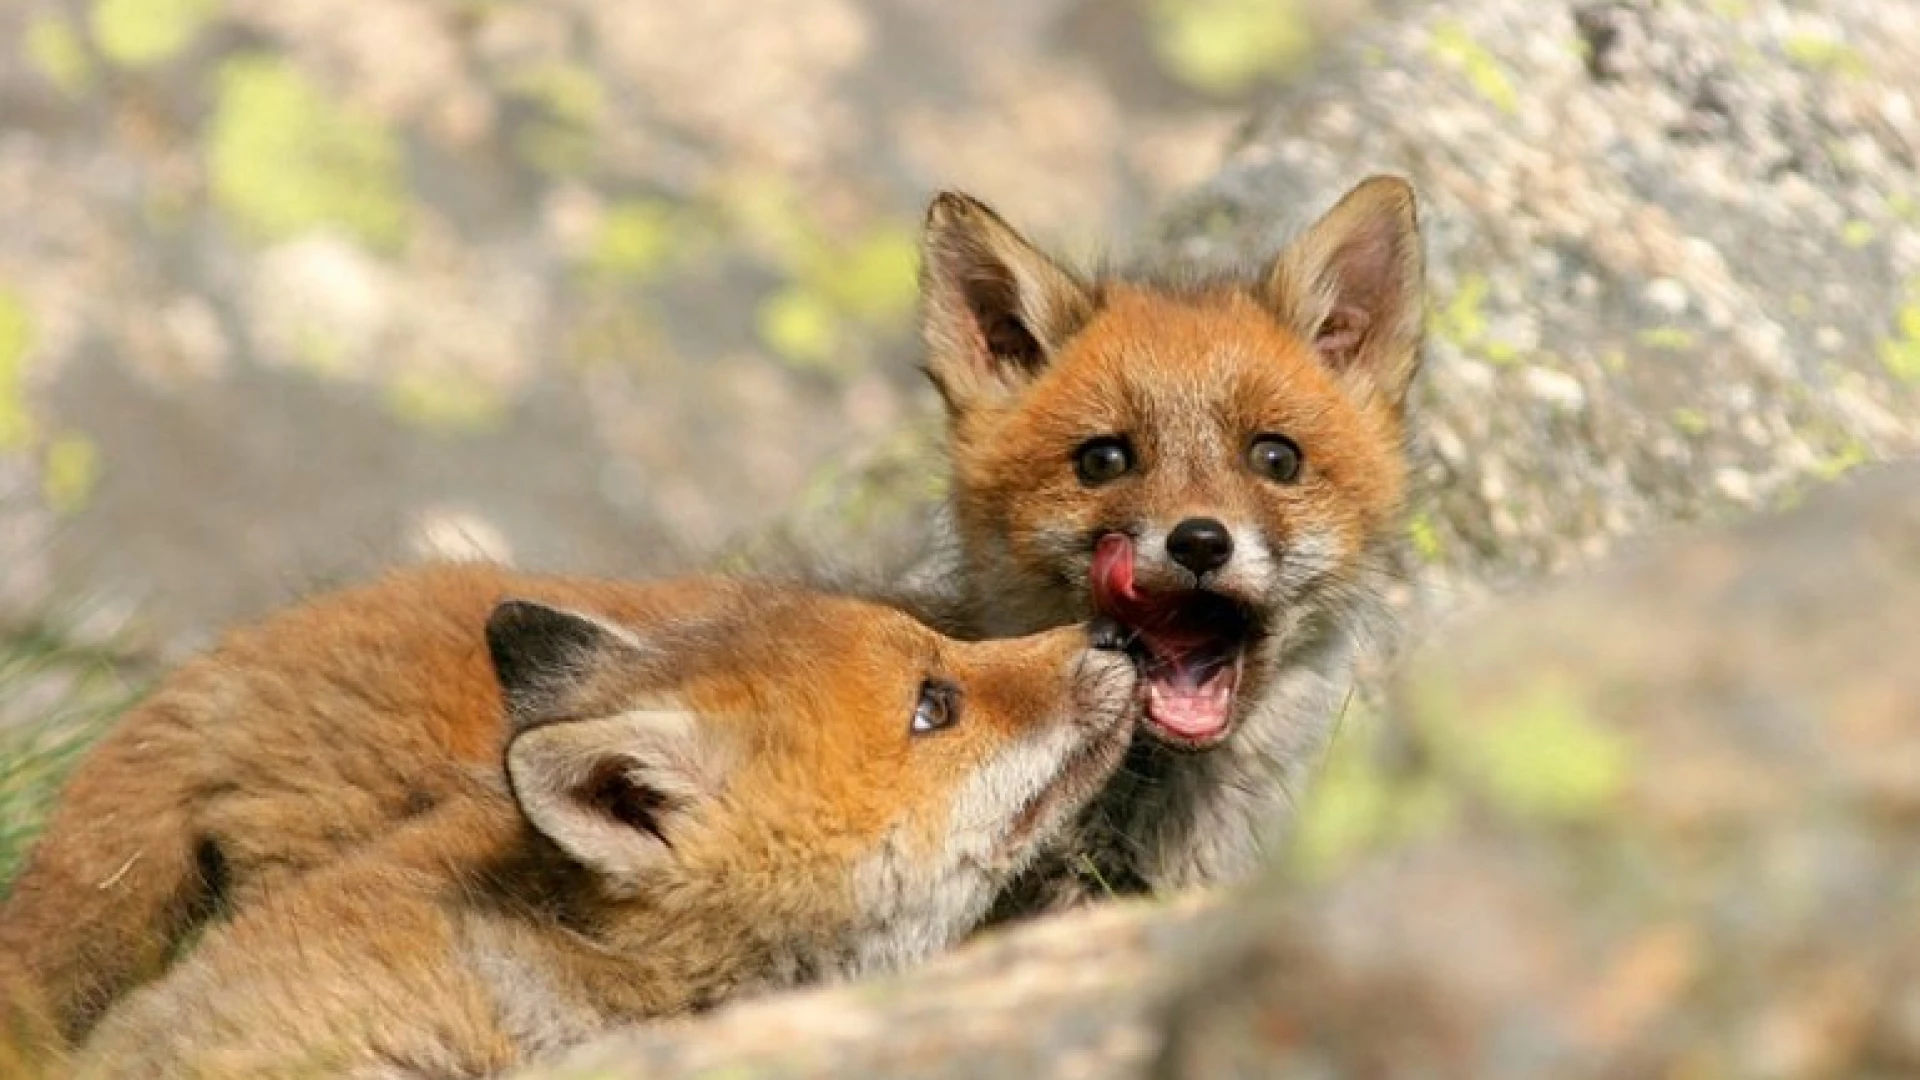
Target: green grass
(56,697)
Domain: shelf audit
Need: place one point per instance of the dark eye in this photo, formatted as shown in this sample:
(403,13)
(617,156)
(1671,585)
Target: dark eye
(1275,457)
(938,708)
(1100,460)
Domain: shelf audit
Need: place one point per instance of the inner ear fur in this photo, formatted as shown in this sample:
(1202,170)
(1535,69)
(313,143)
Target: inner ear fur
(994,308)
(613,792)
(1354,286)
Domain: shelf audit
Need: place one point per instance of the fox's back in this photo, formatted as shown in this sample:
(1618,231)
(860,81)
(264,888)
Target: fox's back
(292,743)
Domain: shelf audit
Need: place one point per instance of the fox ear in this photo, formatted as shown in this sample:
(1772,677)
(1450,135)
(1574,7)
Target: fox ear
(552,664)
(994,308)
(612,792)
(1354,285)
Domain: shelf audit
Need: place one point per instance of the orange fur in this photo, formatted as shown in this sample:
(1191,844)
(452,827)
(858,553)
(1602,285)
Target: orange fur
(1177,385)
(312,735)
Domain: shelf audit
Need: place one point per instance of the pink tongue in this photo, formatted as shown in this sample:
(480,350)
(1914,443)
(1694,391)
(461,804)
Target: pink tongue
(1196,711)
(1189,699)
(1155,617)
(1113,572)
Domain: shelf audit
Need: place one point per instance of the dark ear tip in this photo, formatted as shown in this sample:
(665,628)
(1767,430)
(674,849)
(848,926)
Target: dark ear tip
(1391,191)
(511,620)
(537,649)
(949,207)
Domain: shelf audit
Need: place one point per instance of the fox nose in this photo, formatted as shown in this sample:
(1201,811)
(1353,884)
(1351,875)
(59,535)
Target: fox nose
(1200,544)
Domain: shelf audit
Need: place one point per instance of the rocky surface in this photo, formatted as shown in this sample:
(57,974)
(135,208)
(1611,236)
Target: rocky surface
(1674,251)
(1659,821)
(1675,263)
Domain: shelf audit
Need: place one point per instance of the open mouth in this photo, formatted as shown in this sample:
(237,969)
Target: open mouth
(1190,646)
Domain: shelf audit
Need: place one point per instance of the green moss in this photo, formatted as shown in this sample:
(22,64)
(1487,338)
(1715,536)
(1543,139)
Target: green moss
(569,93)
(875,278)
(1856,234)
(637,239)
(1666,338)
(1500,352)
(802,327)
(574,102)
(1356,806)
(1454,46)
(1462,318)
(1536,753)
(1900,354)
(70,471)
(836,291)
(1824,54)
(55,51)
(1850,455)
(285,157)
(445,403)
(16,342)
(147,33)
(1689,421)
(1225,46)
(1425,538)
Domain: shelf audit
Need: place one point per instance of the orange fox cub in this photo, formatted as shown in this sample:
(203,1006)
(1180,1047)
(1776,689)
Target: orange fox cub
(806,742)
(1217,463)
(755,796)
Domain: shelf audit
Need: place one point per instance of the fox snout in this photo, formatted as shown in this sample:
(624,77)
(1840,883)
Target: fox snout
(1201,544)
(1202,551)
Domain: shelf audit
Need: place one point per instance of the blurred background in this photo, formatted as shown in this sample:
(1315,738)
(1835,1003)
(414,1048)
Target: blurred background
(290,289)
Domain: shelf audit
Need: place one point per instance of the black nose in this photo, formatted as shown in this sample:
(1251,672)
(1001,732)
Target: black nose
(1200,544)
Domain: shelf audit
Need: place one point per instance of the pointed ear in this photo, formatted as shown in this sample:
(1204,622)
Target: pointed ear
(1355,286)
(550,662)
(613,791)
(994,308)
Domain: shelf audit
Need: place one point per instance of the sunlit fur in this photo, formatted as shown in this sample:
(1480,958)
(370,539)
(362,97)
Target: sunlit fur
(325,761)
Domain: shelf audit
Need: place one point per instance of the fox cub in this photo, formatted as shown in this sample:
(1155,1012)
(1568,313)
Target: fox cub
(723,784)
(1217,463)
(774,792)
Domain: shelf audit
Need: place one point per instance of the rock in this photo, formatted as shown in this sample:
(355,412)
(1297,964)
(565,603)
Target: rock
(1700,216)
(1660,820)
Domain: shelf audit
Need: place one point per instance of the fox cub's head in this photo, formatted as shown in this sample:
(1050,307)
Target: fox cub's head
(1215,464)
(823,782)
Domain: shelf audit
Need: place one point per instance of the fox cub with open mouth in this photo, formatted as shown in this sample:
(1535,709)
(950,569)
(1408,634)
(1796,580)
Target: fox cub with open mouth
(1218,464)
(742,783)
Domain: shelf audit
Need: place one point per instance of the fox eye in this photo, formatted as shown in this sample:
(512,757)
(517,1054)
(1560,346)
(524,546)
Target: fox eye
(938,708)
(1275,457)
(1103,459)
